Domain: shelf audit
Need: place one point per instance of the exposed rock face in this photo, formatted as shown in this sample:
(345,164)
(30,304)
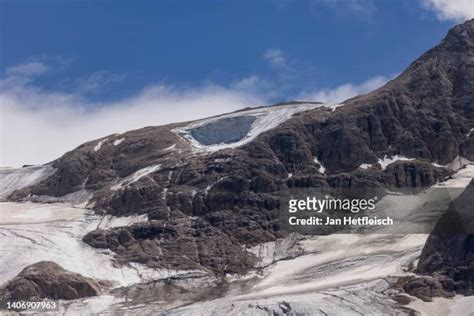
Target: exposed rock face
(48,280)
(413,175)
(425,114)
(92,167)
(449,251)
(181,244)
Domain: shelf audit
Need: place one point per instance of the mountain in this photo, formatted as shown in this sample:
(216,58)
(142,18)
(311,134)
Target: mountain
(211,188)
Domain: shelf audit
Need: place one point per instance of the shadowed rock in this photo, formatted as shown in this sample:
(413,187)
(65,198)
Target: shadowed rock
(425,288)
(449,251)
(179,244)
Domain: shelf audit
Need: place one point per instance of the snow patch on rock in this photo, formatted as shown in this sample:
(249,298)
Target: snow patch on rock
(223,159)
(321,169)
(335,106)
(118,141)
(170,147)
(210,186)
(109,221)
(365,166)
(134,177)
(99,145)
(386,161)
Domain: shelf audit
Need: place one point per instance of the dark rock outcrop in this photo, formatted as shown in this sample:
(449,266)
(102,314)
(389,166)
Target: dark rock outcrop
(425,288)
(181,244)
(412,174)
(48,280)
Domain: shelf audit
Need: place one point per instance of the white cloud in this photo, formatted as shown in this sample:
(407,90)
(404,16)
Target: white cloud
(37,126)
(275,57)
(456,10)
(343,92)
(27,69)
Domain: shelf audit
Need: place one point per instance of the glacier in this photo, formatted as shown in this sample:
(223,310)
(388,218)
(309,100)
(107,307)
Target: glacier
(209,138)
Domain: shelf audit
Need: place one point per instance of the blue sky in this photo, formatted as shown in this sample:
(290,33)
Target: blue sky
(69,64)
(321,44)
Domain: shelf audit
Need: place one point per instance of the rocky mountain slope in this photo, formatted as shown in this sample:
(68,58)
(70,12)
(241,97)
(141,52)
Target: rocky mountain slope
(210,186)
(205,195)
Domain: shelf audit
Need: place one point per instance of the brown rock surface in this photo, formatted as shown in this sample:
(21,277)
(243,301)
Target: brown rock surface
(48,280)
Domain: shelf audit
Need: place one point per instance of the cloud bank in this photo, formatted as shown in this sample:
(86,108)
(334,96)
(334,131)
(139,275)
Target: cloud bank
(38,126)
(455,10)
(27,69)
